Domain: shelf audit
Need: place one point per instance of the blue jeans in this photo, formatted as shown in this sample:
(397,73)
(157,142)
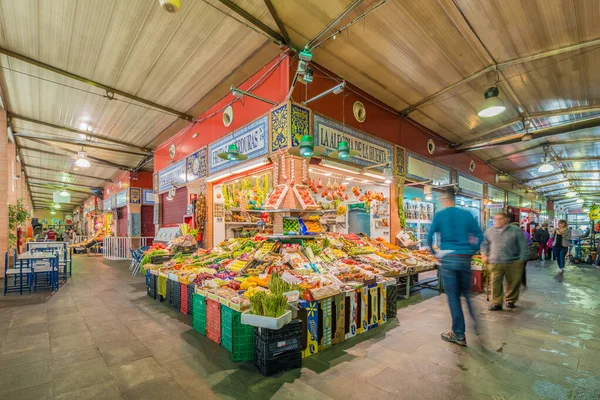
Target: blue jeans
(456,278)
(561,253)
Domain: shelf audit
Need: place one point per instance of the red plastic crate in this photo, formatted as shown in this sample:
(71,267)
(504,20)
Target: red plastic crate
(184,299)
(213,320)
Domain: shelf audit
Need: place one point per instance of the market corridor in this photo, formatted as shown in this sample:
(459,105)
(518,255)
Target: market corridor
(102,337)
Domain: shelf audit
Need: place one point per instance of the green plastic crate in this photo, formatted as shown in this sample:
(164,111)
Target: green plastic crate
(199,314)
(236,337)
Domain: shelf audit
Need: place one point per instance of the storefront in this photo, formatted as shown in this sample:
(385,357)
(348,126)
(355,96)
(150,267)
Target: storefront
(470,196)
(494,203)
(514,207)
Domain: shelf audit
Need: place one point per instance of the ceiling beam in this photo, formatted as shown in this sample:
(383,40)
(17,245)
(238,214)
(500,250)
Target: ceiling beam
(63,183)
(565,181)
(98,160)
(280,24)
(519,60)
(575,159)
(333,23)
(50,195)
(54,154)
(52,186)
(78,143)
(110,91)
(275,36)
(593,187)
(557,174)
(567,127)
(67,173)
(78,131)
(537,146)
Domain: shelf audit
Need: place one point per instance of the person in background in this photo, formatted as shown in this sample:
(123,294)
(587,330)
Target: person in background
(541,236)
(550,243)
(527,236)
(460,234)
(505,249)
(50,235)
(561,243)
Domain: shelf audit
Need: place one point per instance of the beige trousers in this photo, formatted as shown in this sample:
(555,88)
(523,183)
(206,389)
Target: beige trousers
(513,272)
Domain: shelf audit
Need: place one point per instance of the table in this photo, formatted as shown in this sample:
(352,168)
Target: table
(39,256)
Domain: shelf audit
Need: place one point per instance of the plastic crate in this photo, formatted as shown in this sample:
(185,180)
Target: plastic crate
(235,337)
(183,299)
(152,291)
(275,347)
(168,293)
(148,282)
(213,320)
(175,294)
(292,329)
(190,298)
(391,292)
(286,361)
(199,313)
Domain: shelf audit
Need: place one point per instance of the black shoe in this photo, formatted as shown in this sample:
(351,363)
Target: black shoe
(510,305)
(495,308)
(452,338)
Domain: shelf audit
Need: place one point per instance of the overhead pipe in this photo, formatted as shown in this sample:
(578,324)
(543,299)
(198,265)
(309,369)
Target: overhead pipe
(538,134)
(78,143)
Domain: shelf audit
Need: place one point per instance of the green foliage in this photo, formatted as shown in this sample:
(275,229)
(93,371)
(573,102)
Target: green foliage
(17,215)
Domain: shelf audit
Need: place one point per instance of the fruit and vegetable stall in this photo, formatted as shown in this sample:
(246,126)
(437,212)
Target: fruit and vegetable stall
(277,299)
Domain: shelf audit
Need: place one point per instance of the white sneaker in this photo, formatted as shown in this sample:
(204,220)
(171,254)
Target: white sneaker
(561,270)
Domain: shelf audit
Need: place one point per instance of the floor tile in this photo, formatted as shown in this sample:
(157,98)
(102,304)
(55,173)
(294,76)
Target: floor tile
(101,391)
(143,371)
(82,375)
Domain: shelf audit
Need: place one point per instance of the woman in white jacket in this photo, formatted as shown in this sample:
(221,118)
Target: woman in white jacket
(561,243)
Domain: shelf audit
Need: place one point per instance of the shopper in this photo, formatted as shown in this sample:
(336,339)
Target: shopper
(459,233)
(550,243)
(505,249)
(542,236)
(527,236)
(561,243)
(50,235)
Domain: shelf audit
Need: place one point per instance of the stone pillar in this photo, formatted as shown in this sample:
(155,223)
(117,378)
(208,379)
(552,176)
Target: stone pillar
(4,175)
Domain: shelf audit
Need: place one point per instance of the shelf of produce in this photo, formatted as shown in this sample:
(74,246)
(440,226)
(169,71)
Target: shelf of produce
(293,236)
(247,223)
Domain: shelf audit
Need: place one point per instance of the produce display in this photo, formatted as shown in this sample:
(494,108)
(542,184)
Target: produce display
(291,226)
(277,196)
(305,197)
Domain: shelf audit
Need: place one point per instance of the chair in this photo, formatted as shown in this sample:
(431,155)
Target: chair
(19,273)
(137,256)
(49,270)
(133,260)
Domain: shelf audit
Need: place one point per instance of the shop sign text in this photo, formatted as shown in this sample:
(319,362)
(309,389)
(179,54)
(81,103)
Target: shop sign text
(172,175)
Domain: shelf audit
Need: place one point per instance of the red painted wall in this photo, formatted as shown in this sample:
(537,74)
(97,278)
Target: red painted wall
(144,181)
(274,86)
(382,122)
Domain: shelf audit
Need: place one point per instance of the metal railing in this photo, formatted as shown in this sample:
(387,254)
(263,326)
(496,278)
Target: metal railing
(80,239)
(119,247)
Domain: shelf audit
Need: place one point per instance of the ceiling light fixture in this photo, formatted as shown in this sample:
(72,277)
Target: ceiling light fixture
(233,154)
(239,93)
(307,149)
(52,212)
(64,191)
(337,89)
(579,201)
(571,193)
(546,164)
(343,151)
(492,105)
(57,206)
(82,161)
(388,174)
(427,191)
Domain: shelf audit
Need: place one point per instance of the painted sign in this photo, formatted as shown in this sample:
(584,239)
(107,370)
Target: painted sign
(251,140)
(135,195)
(421,169)
(148,197)
(196,165)
(172,175)
(371,150)
(470,186)
(121,198)
(496,195)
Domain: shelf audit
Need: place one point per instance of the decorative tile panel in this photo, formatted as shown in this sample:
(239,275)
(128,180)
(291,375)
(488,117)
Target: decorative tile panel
(135,195)
(400,161)
(279,128)
(300,123)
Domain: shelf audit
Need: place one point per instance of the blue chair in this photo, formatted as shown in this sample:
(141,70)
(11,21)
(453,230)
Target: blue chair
(19,275)
(48,270)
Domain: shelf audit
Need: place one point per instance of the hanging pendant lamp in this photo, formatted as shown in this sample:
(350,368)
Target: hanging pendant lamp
(233,154)
(307,149)
(82,160)
(492,105)
(343,151)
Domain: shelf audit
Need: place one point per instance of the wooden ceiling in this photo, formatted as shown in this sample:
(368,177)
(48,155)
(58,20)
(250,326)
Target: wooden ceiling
(428,59)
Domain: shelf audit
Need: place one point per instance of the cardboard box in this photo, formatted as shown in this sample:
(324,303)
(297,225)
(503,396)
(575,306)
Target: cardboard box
(362,304)
(325,306)
(308,313)
(339,312)
(350,314)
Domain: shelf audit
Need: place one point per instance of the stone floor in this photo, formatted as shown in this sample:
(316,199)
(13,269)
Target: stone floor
(101,337)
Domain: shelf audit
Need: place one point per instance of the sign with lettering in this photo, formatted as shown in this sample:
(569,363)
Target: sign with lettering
(251,140)
(148,197)
(121,198)
(470,186)
(495,195)
(371,150)
(421,169)
(172,175)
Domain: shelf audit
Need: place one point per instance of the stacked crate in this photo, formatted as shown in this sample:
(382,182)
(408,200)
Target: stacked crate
(278,350)
(235,337)
(213,320)
(199,313)
(190,298)
(183,298)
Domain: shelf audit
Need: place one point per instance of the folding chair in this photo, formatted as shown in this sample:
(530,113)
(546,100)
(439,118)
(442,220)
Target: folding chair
(18,273)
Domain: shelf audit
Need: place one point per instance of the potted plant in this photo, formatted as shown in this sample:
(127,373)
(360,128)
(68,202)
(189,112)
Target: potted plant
(17,216)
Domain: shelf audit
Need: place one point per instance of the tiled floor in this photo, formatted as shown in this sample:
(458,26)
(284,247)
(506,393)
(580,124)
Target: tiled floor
(101,337)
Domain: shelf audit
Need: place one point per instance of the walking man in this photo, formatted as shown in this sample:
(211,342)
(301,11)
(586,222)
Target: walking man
(542,236)
(459,233)
(505,249)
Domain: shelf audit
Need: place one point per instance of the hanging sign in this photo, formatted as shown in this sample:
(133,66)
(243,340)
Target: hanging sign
(251,140)
(107,204)
(371,150)
(196,165)
(514,199)
(496,206)
(421,169)
(121,198)
(496,195)
(135,195)
(172,175)
(148,197)
(470,186)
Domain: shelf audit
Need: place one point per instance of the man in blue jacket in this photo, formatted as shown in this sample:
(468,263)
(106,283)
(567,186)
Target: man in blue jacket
(459,233)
